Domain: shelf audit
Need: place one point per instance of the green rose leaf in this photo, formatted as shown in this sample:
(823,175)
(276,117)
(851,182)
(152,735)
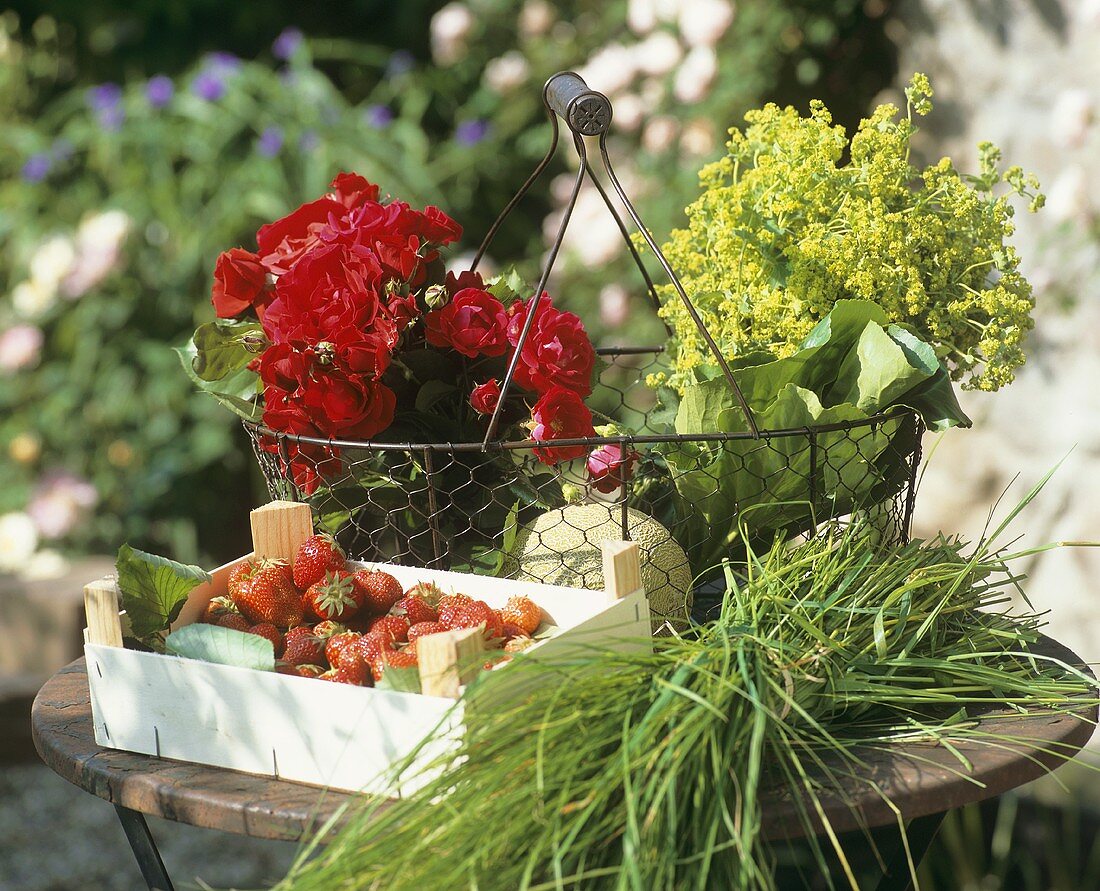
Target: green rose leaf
(224,646)
(221,347)
(236,391)
(154,589)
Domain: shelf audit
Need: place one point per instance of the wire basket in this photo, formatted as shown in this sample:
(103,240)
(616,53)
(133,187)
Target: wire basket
(690,500)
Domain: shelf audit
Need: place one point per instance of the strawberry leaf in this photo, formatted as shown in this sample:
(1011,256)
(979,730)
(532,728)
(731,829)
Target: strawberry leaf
(154,589)
(400,680)
(225,646)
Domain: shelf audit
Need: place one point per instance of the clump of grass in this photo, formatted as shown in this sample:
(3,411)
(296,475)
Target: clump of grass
(644,770)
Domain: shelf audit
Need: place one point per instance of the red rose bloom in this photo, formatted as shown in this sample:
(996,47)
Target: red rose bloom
(465,279)
(610,466)
(485,397)
(560,414)
(282,243)
(240,281)
(351,189)
(472,323)
(557,351)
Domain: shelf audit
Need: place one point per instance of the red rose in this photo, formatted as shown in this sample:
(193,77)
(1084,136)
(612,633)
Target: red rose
(309,464)
(485,397)
(240,281)
(283,242)
(472,323)
(403,311)
(557,351)
(560,414)
(351,189)
(437,227)
(610,466)
(465,279)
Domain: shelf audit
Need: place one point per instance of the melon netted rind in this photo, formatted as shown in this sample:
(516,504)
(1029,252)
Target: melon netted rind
(562,547)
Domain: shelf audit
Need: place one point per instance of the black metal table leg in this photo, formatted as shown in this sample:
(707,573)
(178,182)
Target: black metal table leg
(920,833)
(144,848)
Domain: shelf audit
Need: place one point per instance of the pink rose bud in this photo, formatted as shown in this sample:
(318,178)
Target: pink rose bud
(485,397)
(609,467)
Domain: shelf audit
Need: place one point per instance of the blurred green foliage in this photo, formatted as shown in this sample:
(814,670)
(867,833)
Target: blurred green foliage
(374,87)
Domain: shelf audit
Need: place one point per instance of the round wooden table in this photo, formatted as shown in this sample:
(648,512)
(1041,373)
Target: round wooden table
(923,780)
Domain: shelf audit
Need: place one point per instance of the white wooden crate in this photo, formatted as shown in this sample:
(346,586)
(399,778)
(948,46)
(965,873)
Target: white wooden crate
(302,729)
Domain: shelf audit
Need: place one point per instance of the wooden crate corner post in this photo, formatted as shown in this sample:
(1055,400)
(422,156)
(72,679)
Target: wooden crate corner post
(448,660)
(622,569)
(279,527)
(101,608)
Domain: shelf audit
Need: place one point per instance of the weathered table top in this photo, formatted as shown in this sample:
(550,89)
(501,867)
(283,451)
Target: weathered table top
(919,778)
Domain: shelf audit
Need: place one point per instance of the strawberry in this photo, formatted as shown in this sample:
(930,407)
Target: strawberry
(309,671)
(235,621)
(267,594)
(236,576)
(303,647)
(393,659)
(359,675)
(360,622)
(429,592)
(326,629)
(379,590)
(522,612)
(317,555)
(478,614)
(449,605)
(216,608)
(416,609)
(371,646)
(395,627)
(335,596)
(508,630)
(335,644)
(422,628)
(271,633)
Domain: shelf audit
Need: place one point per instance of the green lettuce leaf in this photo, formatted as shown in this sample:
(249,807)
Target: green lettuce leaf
(154,589)
(225,646)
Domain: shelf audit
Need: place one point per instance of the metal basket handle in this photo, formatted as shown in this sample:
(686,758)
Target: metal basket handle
(589,113)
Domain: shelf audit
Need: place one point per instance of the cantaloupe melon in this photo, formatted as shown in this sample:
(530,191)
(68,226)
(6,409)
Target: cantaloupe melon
(562,547)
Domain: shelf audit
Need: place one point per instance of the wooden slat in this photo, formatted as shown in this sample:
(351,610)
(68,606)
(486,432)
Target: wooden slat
(101,608)
(448,660)
(279,527)
(622,569)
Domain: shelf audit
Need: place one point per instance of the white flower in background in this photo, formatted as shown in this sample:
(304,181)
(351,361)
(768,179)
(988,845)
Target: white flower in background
(450,29)
(614,305)
(505,73)
(18,540)
(1068,197)
(44,565)
(1071,116)
(629,112)
(658,54)
(698,138)
(536,18)
(59,501)
(660,133)
(52,261)
(667,10)
(592,236)
(696,75)
(641,16)
(703,22)
(653,92)
(610,70)
(5,46)
(31,301)
(98,244)
(20,347)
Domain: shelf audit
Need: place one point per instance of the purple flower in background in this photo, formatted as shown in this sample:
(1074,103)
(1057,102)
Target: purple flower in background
(378,116)
(106,101)
(208,86)
(401,62)
(308,141)
(160,90)
(287,43)
(471,132)
(37,167)
(223,63)
(270,142)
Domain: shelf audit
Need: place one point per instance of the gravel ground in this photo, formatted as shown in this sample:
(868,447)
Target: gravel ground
(55,837)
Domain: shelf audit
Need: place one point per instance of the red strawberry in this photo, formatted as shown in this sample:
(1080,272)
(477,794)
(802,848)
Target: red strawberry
(429,592)
(237,575)
(393,659)
(326,629)
(268,594)
(216,608)
(271,633)
(371,646)
(477,614)
(416,609)
(361,621)
(309,671)
(316,555)
(379,590)
(235,621)
(303,647)
(358,675)
(395,627)
(422,628)
(510,631)
(335,596)
(335,644)
(522,612)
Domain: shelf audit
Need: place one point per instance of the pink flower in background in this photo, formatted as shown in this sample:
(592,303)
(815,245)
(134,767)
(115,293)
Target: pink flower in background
(98,246)
(59,501)
(610,466)
(20,347)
